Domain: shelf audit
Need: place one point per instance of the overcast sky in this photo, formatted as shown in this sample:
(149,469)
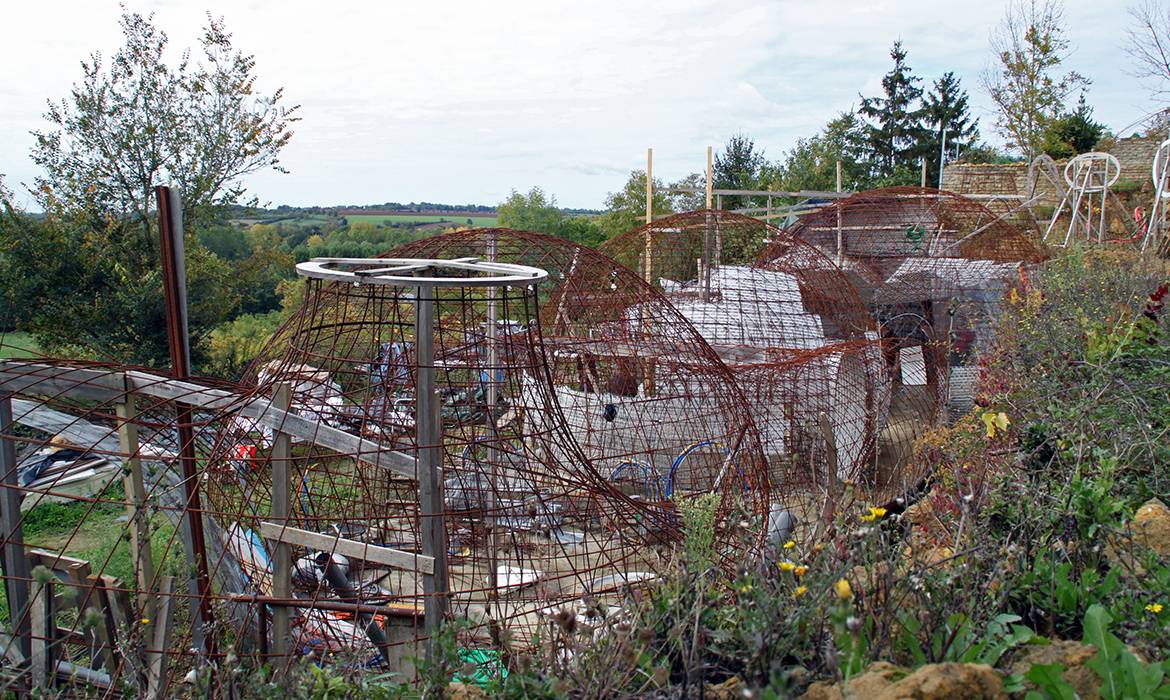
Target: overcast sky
(463,101)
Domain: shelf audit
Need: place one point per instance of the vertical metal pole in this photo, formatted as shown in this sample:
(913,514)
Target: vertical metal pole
(170,231)
(923,178)
(16,569)
(491,428)
(430,483)
(282,556)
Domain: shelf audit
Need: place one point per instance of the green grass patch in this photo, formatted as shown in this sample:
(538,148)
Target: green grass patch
(17,345)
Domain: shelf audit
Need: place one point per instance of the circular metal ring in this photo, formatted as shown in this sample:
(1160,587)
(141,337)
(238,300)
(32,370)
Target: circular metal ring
(1158,167)
(1074,171)
(420,272)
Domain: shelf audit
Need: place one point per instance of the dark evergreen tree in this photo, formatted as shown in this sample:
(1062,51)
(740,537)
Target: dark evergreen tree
(1072,133)
(738,168)
(947,111)
(894,130)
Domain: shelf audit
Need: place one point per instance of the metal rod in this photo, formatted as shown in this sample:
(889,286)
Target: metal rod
(492,395)
(330,605)
(170,231)
(429,444)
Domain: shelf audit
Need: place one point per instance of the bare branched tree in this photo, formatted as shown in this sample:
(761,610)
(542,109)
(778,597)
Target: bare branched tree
(1148,44)
(1024,79)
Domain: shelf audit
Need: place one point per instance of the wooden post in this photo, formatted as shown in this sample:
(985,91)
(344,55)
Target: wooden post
(768,218)
(44,634)
(832,487)
(719,201)
(923,184)
(649,185)
(160,642)
(16,568)
(137,512)
(430,451)
(838,176)
(282,555)
(710,175)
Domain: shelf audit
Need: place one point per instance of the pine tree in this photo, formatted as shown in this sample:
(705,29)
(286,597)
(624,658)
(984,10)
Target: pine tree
(947,111)
(738,168)
(894,132)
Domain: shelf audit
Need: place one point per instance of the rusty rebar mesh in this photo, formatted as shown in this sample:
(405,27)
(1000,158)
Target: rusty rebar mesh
(101,505)
(932,269)
(796,335)
(563,454)
(707,352)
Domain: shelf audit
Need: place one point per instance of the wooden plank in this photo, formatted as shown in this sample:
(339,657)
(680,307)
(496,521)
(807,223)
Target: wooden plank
(313,431)
(14,561)
(395,558)
(39,379)
(107,632)
(331,438)
(282,555)
(136,504)
(180,391)
(160,642)
(44,635)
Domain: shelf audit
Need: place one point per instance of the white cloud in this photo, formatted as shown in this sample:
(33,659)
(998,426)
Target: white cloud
(463,101)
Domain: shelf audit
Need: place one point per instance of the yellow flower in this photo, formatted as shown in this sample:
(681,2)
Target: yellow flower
(875,513)
(843,589)
(744,588)
(146,620)
(789,544)
(787,566)
(801,570)
(800,590)
(1154,608)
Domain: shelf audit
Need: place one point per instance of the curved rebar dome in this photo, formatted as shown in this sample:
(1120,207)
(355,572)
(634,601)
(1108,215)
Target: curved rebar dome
(794,332)
(931,267)
(568,432)
(636,394)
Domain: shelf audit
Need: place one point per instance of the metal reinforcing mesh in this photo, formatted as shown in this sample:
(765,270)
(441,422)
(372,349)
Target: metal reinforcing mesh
(706,352)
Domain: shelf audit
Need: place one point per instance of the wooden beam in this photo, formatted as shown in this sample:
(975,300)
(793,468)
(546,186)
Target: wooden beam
(44,634)
(394,558)
(136,504)
(160,642)
(282,556)
(14,561)
(46,380)
(649,185)
(39,379)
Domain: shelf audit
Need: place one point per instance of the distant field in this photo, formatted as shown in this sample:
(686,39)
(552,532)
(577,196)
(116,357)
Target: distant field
(15,345)
(421,219)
